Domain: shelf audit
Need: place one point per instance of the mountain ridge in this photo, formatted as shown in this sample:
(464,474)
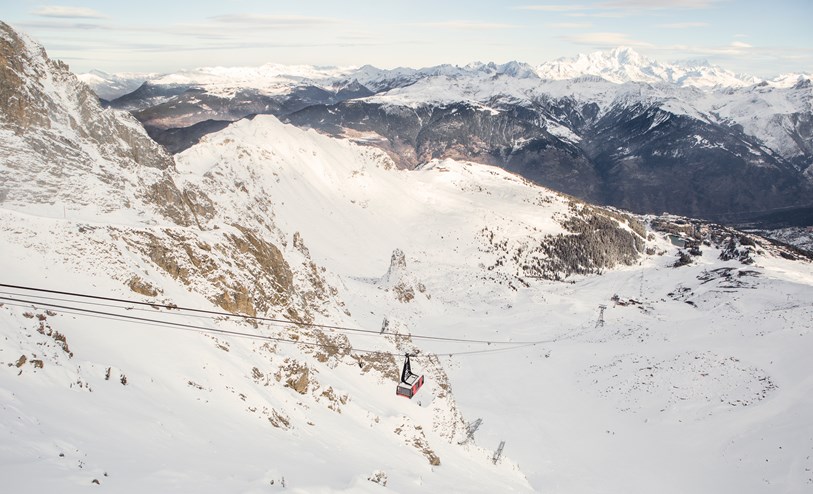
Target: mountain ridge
(618,65)
(623,64)
(571,134)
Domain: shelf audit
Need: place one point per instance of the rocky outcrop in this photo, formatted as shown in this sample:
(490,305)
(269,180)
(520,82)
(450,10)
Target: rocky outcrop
(242,272)
(399,281)
(142,287)
(19,105)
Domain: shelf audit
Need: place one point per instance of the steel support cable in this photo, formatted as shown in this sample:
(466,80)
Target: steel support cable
(260,318)
(201,329)
(122,307)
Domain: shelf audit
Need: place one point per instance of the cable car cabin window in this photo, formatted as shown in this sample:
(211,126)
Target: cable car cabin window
(402,390)
(410,383)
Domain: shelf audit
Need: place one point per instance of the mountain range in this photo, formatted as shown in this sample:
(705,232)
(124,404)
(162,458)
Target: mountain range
(233,317)
(612,128)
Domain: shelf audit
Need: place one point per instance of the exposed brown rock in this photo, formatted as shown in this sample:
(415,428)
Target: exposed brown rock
(17,107)
(138,285)
(296,376)
(237,300)
(384,364)
(279,420)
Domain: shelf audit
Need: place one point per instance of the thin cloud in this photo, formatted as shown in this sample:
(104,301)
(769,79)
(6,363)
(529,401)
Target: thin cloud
(467,25)
(275,21)
(63,12)
(606,40)
(553,8)
(683,25)
(357,36)
(569,25)
(605,14)
(734,49)
(629,5)
(796,57)
(65,26)
(659,4)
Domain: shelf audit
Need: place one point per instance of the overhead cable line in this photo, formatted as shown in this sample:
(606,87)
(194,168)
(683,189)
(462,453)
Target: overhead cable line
(202,329)
(258,318)
(112,306)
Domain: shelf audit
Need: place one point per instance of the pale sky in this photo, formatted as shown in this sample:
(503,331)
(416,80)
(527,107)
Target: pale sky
(763,38)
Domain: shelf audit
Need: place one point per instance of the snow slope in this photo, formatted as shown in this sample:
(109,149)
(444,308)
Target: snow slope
(88,397)
(209,413)
(666,396)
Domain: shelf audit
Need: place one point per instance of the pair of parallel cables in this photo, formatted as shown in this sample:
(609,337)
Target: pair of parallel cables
(54,300)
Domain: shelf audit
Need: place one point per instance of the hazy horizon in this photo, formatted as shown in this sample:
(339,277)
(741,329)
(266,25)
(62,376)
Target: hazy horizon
(742,36)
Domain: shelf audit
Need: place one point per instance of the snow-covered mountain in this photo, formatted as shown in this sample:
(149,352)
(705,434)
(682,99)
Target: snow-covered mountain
(694,377)
(619,65)
(614,128)
(111,86)
(624,64)
(56,139)
(638,146)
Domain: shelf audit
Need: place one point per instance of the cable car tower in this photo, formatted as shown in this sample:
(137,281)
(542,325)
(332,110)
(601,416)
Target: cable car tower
(410,383)
(600,321)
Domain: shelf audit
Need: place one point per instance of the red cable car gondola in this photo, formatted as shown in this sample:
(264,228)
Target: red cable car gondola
(410,383)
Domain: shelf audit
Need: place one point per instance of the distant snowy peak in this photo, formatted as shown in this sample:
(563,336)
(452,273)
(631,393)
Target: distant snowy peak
(791,80)
(258,77)
(618,66)
(276,79)
(624,64)
(111,86)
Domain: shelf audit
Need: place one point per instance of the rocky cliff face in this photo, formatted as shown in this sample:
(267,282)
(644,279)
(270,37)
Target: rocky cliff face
(57,141)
